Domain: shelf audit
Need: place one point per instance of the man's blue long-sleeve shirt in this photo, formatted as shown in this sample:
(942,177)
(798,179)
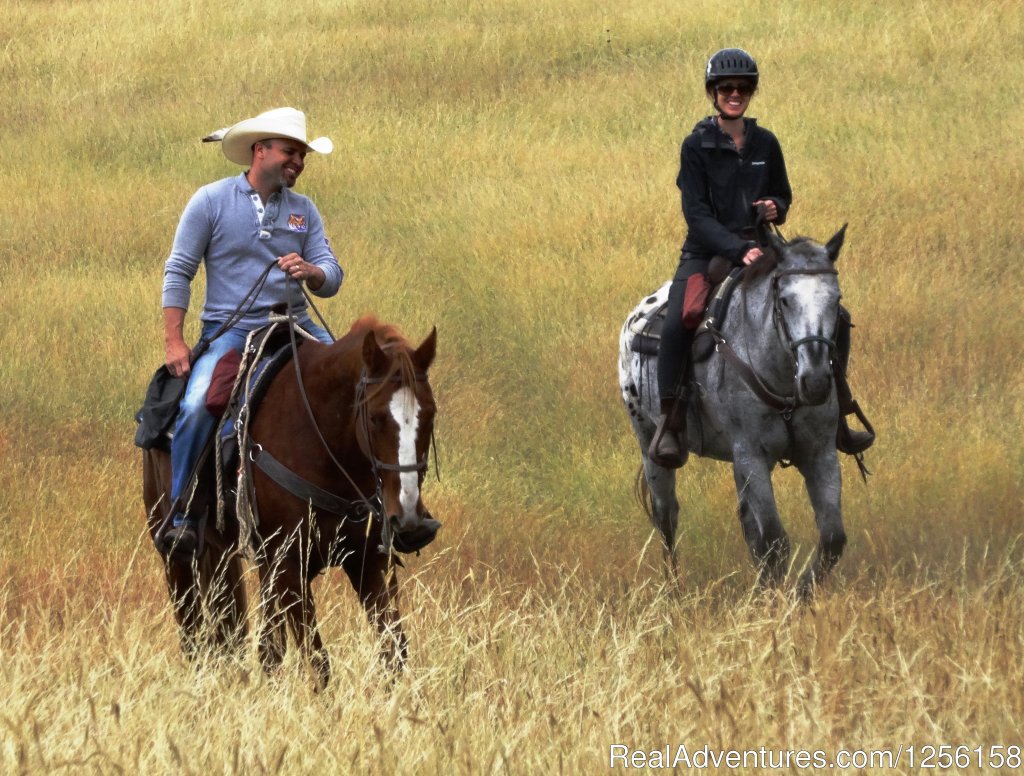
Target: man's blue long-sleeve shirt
(221,225)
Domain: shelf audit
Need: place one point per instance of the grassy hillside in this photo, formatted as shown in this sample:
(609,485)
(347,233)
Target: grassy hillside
(505,171)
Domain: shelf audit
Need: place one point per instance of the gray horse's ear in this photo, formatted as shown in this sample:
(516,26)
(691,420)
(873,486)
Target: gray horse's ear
(423,357)
(832,246)
(375,359)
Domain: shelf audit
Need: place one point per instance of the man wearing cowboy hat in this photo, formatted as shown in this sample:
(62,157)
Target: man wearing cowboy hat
(239,227)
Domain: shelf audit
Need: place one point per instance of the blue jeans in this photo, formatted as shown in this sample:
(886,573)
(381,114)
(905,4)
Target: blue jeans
(195,424)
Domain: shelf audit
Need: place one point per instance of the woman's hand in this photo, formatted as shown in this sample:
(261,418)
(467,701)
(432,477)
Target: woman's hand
(771,210)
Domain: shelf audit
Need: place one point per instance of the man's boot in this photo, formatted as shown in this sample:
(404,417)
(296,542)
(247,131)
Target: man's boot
(668,447)
(182,538)
(847,440)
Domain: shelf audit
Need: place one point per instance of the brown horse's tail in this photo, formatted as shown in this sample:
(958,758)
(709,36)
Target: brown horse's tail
(642,491)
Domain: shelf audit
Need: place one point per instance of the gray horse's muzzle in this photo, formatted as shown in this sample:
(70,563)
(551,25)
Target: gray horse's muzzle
(814,388)
(814,371)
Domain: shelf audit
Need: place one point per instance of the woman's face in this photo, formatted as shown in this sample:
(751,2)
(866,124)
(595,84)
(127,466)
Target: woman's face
(732,96)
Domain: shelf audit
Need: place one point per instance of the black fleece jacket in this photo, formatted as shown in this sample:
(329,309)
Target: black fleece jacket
(720,184)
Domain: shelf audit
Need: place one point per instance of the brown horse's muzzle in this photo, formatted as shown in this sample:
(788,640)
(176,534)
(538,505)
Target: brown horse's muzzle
(410,534)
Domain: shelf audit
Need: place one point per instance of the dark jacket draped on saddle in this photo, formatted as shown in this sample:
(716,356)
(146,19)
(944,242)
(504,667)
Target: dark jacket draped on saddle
(719,185)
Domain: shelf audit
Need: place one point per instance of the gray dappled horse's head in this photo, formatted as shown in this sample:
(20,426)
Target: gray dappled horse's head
(806,300)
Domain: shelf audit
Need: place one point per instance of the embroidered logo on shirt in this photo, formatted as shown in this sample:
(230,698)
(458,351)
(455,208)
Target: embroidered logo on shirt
(296,222)
(758,164)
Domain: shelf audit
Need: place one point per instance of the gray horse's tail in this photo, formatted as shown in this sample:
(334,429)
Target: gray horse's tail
(642,491)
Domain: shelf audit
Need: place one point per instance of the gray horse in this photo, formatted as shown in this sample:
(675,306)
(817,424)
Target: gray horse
(763,396)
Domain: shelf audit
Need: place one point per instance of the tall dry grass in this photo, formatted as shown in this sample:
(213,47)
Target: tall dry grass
(505,170)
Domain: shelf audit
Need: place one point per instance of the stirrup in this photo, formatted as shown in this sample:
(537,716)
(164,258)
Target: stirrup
(854,442)
(667,459)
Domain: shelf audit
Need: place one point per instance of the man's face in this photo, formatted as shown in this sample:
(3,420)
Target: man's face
(280,160)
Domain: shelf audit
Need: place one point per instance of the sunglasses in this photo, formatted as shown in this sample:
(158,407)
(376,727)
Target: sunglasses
(743,90)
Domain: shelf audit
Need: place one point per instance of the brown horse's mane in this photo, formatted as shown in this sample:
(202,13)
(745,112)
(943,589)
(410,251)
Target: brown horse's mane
(392,342)
(386,333)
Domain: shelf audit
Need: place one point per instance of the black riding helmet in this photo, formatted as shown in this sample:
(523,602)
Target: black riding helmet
(729,63)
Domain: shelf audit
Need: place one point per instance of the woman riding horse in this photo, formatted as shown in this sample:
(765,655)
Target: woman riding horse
(730,168)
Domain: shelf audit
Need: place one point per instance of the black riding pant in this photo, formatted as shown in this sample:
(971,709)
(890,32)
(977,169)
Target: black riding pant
(676,339)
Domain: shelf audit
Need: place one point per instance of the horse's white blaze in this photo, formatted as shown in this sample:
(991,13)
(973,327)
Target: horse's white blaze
(405,409)
(814,298)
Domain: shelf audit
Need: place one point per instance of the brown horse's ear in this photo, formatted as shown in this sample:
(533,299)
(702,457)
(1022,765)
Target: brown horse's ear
(375,359)
(424,355)
(832,246)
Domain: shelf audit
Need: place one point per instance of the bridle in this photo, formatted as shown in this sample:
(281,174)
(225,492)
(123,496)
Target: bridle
(780,318)
(363,427)
(363,507)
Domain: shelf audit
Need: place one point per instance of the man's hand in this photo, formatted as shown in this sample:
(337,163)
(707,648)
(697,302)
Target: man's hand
(178,357)
(771,210)
(298,268)
(177,354)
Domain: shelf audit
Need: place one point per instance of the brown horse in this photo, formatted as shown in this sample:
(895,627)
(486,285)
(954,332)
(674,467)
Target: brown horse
(335,454)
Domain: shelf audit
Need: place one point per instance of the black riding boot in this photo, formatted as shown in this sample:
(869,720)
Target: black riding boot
(181,538)
(668,447)
(847,440)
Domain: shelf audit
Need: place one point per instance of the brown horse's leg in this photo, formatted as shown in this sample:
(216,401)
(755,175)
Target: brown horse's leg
(225,591)
(181,579)
(296,601)
(272,637)
(188,610)
(301,612)
(376,583)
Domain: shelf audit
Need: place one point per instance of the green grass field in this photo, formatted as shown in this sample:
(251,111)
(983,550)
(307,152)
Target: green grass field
(506,172)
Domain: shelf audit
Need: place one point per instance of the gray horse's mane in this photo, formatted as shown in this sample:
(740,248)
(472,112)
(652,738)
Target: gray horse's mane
(764,266)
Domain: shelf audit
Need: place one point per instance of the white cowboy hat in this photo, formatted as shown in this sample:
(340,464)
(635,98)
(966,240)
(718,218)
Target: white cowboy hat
(281,122)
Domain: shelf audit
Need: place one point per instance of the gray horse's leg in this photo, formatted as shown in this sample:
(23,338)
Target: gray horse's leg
(759,517)
(824,486)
